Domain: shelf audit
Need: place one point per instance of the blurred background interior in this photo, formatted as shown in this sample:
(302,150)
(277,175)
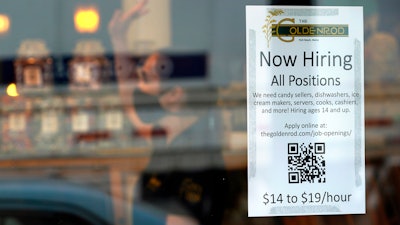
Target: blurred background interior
(64,131)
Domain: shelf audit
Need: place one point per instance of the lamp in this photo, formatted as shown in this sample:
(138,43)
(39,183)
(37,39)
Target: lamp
(86,19)
(12,90)
(4,23)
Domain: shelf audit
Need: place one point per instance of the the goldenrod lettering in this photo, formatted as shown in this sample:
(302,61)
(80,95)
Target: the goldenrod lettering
(277,30)
(339,30)
(300,30)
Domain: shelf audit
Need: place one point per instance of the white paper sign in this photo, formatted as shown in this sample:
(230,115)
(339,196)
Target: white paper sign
(305,82)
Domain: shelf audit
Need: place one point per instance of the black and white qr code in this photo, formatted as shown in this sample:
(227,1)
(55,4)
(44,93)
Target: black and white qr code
(306,163)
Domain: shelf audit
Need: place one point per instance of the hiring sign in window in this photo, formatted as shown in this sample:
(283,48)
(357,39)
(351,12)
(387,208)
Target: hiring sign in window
(305,105)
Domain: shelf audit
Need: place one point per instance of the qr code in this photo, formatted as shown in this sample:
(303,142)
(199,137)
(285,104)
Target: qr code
(306,163)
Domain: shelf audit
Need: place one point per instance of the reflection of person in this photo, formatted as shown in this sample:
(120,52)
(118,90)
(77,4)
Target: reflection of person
(185,181)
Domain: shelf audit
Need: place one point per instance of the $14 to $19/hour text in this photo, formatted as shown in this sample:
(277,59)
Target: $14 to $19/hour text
(305,198)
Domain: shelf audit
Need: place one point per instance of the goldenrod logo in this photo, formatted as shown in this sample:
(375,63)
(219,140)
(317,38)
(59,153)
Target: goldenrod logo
(286,29)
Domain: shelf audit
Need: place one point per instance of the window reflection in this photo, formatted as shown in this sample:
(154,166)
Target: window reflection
(68,88)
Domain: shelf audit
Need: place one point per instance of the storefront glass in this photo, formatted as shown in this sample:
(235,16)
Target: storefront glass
(134,112)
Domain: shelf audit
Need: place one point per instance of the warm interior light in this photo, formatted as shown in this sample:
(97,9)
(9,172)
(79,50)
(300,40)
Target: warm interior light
(87,19)
(4,23)
(12,90)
